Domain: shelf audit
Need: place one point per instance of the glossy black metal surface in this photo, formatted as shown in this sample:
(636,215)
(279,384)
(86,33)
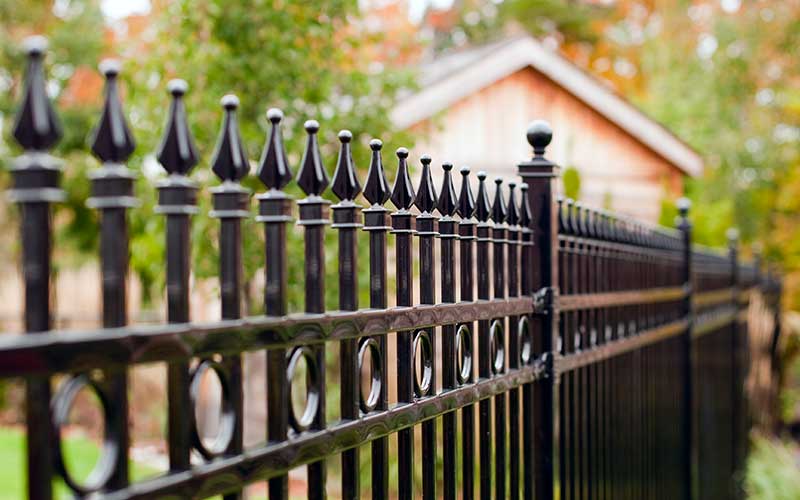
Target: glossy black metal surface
(611,354)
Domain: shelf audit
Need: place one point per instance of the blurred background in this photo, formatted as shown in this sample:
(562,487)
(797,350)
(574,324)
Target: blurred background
(649,101)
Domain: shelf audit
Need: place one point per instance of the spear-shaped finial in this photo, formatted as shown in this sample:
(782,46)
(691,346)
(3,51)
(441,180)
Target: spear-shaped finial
(403,190)
(273,168)
(112,141)
(426,193)
(447,197)
(230,161)
(177,152)
(377,190)
(499,205)
(512,216)
(483,208)
(345,182)
(466,202)
(312,177)
(524,206)
(36,127)
(571,224)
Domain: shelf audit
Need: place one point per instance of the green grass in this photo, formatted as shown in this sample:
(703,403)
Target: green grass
(80,453)
(773,471)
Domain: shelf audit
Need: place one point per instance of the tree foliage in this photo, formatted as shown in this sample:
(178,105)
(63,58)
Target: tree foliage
(303,57)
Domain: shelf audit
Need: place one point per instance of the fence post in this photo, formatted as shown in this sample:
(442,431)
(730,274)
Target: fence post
(36,175)
(112,195)
(738,427)
(541,175)
(689,452)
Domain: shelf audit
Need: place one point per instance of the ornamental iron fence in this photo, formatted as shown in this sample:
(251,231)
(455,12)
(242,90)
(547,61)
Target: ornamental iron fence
(611,354)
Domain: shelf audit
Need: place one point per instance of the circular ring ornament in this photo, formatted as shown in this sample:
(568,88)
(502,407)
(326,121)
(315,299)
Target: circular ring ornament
(61,405)
(423,348)
(312,390)
(464,345)
(373,398)
(525,341)
(227,426)
(498,346)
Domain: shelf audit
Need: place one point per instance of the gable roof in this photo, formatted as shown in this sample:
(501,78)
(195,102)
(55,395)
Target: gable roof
(453,77)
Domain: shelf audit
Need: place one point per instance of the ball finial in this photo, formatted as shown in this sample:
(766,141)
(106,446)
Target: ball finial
(311,126)
(110,67)
(539,136)
(402,153)
(425,159)
(229,101)
(177,87)
(684,204)
(35,45)
(274,115)
(375,144)
(733,235)
(447,166)
(345,136)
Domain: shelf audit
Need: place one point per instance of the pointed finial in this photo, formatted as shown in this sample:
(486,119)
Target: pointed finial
(579,221)
(112,141)
(345,183)
(230,161)
(524,206)
(312,177)
(426,193)
(466,202)
(377,190)
(571,223)
(483,208)
(36,126)
(447,197)
(177,153)
(402,191)
(512,215)
(273,168)
(539,136)
(499,205)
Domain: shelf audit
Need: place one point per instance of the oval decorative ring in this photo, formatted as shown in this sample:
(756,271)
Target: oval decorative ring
(312,390)
(498,346)
(424,349)
(525,338)
(227,412)
(464,346)
(106,464)
(375,388)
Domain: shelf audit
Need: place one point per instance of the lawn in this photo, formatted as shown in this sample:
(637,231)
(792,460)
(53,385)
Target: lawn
(81,454)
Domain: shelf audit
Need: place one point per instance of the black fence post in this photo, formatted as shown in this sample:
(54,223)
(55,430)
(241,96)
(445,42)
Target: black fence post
(231,205)
(689,452)
(36,176)
(738,344)
(377,192)
(112,195)
(313,180)
(275,212)
(177,200)
(541,175)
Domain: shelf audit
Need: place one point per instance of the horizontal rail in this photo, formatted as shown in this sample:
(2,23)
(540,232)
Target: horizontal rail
(613,299)
(66,351)
(712,298)
(273,460)
(614,348)
(707,323)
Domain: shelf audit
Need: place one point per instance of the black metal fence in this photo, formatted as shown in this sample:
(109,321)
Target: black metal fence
(610,359)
